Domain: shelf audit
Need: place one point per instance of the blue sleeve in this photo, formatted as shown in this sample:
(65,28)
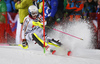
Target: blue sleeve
(8,4)
(13,5)
(97,10)
(7,1)
(39,1)
(54,5)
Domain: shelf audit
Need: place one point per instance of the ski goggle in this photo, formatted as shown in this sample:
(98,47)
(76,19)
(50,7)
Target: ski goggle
(34,14)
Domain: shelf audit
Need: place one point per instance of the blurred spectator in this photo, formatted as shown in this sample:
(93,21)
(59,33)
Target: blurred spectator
(60,5)
(98,19)
(38,1)
(50,10)
(98,11)
(95,1)
(9,6)
(74,8)
(65,4)
(40,8)
(13,6)
(39,5)
(98,7)
(22,7)
(84,8)
(65,11)
(3,10)
(35,3)
(90,7)
(60,11)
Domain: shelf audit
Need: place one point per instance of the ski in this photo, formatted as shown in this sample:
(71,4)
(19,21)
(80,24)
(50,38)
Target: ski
(8,44)
(12,44)
(53,44)
(41,42)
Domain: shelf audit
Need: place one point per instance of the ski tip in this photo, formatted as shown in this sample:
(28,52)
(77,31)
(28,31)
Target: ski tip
(69,53)
(26,47)
(53,51)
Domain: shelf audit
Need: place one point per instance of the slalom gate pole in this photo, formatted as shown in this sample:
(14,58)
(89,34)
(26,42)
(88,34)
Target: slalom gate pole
(64,32)
(44,27)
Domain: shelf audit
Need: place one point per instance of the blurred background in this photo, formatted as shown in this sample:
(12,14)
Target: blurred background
(57,12)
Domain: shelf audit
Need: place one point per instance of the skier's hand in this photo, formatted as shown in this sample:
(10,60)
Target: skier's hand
(24,43)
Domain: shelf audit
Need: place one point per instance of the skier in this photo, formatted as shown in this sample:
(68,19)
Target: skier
(32,30)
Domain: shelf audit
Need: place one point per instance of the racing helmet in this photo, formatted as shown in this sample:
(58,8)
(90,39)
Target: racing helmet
(33,10)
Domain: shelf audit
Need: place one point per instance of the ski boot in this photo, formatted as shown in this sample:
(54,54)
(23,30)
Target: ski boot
(59,43)
(54,42)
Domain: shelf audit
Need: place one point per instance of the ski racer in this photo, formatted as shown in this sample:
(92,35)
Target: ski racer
(33,30)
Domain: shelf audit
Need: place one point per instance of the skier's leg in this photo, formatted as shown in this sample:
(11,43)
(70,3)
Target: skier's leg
(41,43)
(38,40)
(38,37)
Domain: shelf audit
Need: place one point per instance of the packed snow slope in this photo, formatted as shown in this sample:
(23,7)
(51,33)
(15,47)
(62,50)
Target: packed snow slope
(35,55)
(83,51)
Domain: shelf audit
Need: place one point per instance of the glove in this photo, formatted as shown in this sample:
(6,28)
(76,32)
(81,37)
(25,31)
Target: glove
(24,43)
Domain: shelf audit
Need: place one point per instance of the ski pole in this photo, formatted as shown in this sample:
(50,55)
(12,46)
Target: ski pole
(63,32)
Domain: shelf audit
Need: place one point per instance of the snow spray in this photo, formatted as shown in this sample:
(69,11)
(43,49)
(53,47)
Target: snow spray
(82,29)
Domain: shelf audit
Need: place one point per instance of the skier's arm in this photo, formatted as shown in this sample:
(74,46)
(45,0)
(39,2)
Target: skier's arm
(24,27)
(41,19)
(37,24)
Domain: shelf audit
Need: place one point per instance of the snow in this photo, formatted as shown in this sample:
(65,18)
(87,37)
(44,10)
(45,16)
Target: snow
(35,55)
